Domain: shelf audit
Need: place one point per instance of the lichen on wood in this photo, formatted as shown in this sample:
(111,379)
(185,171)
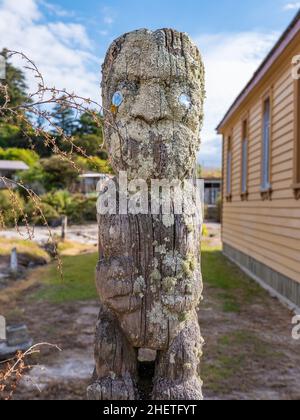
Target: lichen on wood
(149,274)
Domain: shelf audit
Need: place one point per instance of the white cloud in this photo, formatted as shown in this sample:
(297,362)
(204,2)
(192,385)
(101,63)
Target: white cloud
(108,20)
(108,15)
(230,61)
(62,51)
(27,9)
(70,33)
(56,10)
(292,6)
(103,33)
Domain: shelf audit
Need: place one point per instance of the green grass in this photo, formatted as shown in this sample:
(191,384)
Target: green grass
(24,247)
(233,354)
(233,287)
(78,281)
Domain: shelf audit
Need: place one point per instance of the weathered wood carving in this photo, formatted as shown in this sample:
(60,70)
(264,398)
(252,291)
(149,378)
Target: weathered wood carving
(149,275)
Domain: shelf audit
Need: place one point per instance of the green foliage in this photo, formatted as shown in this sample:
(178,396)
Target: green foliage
(11,213)
(27,156)
(8,134)
(82,209)
(89,143)
(59,174)
(17,88)
(77,207)
(95,164)
(61,201)
(63,117)
(88,125)
(50,214)
(35,175)
(13,136)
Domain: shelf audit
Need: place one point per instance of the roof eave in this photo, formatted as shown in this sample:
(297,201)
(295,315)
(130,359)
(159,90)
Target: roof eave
(285,39)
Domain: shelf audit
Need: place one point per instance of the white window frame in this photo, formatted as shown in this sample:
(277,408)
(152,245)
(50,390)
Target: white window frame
(266,161)
(245,156)
(229,169)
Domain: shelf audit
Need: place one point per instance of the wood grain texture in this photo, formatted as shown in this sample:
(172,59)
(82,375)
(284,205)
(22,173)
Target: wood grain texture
(149,271)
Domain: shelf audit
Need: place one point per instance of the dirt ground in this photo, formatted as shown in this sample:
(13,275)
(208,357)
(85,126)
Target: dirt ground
(249,355)
(86,234)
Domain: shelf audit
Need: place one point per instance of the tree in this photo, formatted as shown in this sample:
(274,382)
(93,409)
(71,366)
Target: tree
(89,134)
(94,164)
(63,117)
(89,143)
(30,157)
(17,88)
(88,124)
(59,174)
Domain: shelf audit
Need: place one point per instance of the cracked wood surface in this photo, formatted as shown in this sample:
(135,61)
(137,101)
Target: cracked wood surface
(149,272)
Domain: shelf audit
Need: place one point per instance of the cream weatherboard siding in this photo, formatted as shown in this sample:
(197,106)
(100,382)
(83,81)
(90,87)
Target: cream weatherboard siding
(265,228)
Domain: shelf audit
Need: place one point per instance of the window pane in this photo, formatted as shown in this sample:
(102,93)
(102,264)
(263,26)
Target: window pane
(229,159)
(297,148)
(245,157)
(245,166)
(266,146)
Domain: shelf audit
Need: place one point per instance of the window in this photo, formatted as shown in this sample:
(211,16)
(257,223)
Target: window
(244,180)
(297,141)
(229,170)
(212,193)
(266,149)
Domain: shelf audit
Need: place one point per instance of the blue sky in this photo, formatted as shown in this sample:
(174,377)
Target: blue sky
(118,16)
(68,39)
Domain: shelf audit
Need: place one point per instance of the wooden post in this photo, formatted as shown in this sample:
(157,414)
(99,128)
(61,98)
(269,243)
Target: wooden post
(149,272)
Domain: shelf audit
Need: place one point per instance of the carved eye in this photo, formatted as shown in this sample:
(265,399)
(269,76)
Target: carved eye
(185,100)
(117,99)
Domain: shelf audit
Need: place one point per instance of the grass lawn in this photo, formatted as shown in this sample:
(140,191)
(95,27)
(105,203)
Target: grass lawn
(237,346)
(247,351)
(233,287)
(78,281)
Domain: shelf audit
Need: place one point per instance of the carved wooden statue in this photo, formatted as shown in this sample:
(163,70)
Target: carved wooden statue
(149,275)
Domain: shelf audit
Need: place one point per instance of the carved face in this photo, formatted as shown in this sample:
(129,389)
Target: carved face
(153,92)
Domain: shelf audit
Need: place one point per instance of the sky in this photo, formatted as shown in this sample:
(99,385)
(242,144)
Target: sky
(68,39)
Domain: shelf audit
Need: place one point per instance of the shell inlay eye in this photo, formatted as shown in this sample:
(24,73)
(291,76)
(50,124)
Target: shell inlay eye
(185,100)
(117,99)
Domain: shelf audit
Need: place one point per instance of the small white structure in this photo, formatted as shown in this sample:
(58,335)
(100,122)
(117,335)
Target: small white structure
(212,188)
(14,262)
(2,67)
(9,169)
(89,181)
(2,329)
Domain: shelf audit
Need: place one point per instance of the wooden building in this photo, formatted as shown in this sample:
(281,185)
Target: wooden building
(261,171)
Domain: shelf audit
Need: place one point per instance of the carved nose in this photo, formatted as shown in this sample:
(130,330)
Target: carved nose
(150,105)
